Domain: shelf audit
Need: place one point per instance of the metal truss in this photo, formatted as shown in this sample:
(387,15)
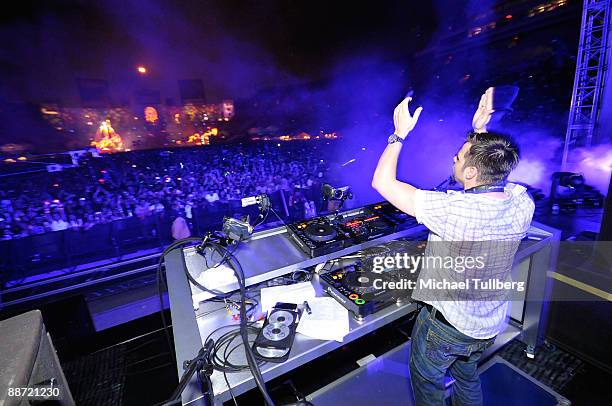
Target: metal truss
(588,80)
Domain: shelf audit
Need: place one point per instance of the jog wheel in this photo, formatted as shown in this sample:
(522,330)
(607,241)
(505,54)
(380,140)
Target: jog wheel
(362,283)
(376,251)
(320,232)
(368,256)
(398,245)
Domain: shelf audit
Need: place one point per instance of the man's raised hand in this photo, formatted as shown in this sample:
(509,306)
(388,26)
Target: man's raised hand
(482,116)
(403,121)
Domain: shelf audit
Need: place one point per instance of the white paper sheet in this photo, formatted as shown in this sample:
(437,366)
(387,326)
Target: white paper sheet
(329,320)
(217,278)
(296,293)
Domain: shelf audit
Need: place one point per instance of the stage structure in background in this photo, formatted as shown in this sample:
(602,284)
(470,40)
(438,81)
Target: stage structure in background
(151,115)
(107,140)
(146,126)
(589,83)
(204,137)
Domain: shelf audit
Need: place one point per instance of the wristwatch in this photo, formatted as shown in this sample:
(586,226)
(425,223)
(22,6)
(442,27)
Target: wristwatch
(395,138)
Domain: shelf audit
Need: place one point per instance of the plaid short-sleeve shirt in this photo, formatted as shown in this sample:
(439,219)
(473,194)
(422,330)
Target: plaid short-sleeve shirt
(456,219)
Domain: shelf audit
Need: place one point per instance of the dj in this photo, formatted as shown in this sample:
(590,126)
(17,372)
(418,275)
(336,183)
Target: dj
(450,334)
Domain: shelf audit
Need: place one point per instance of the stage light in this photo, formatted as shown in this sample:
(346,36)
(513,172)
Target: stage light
(509,17)
(142,70)
(568,179)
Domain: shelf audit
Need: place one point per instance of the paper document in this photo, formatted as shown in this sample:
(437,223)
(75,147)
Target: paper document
(217,278)
(296,293)
(329,320)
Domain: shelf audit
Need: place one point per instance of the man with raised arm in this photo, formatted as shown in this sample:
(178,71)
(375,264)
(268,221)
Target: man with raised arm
(489,217)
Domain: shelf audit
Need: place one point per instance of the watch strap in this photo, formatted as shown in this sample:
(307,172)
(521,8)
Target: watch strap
(393,138)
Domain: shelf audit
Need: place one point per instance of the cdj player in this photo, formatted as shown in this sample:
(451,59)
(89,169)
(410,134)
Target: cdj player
(317,236)
(354,285)
(326,234)
(355,289)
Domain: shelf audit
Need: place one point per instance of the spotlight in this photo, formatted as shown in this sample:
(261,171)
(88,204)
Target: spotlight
(142,70)
(569,191)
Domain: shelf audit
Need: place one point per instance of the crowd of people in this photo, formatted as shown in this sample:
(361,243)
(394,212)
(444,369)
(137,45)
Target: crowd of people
(143,183)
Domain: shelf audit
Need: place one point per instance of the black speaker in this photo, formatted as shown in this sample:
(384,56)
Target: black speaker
(69,323)
(28,360)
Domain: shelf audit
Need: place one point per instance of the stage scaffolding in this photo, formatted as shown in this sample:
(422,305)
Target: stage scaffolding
(592,59)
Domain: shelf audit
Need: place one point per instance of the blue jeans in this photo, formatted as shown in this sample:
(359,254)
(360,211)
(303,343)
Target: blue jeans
(437,348)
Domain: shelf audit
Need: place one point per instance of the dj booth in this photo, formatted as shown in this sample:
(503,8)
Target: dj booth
(274,253)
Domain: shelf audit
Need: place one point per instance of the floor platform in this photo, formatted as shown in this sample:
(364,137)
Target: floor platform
(386,380)
(505,384)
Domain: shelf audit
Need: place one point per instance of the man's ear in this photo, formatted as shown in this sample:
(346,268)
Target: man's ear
(470,172)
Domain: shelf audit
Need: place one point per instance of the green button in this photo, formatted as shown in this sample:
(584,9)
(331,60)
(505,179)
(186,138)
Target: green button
(359,301)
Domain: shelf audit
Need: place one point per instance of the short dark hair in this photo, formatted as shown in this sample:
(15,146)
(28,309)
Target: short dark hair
(495,155)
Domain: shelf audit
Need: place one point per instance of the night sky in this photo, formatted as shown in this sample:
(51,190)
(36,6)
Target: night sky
(352,63)
(235,47)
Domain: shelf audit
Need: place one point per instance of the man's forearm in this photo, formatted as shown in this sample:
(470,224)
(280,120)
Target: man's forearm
(399,194)
(386,170)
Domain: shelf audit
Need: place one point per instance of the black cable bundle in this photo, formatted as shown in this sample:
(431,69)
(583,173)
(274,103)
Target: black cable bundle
(223,349)
(251,360)
(221,364)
